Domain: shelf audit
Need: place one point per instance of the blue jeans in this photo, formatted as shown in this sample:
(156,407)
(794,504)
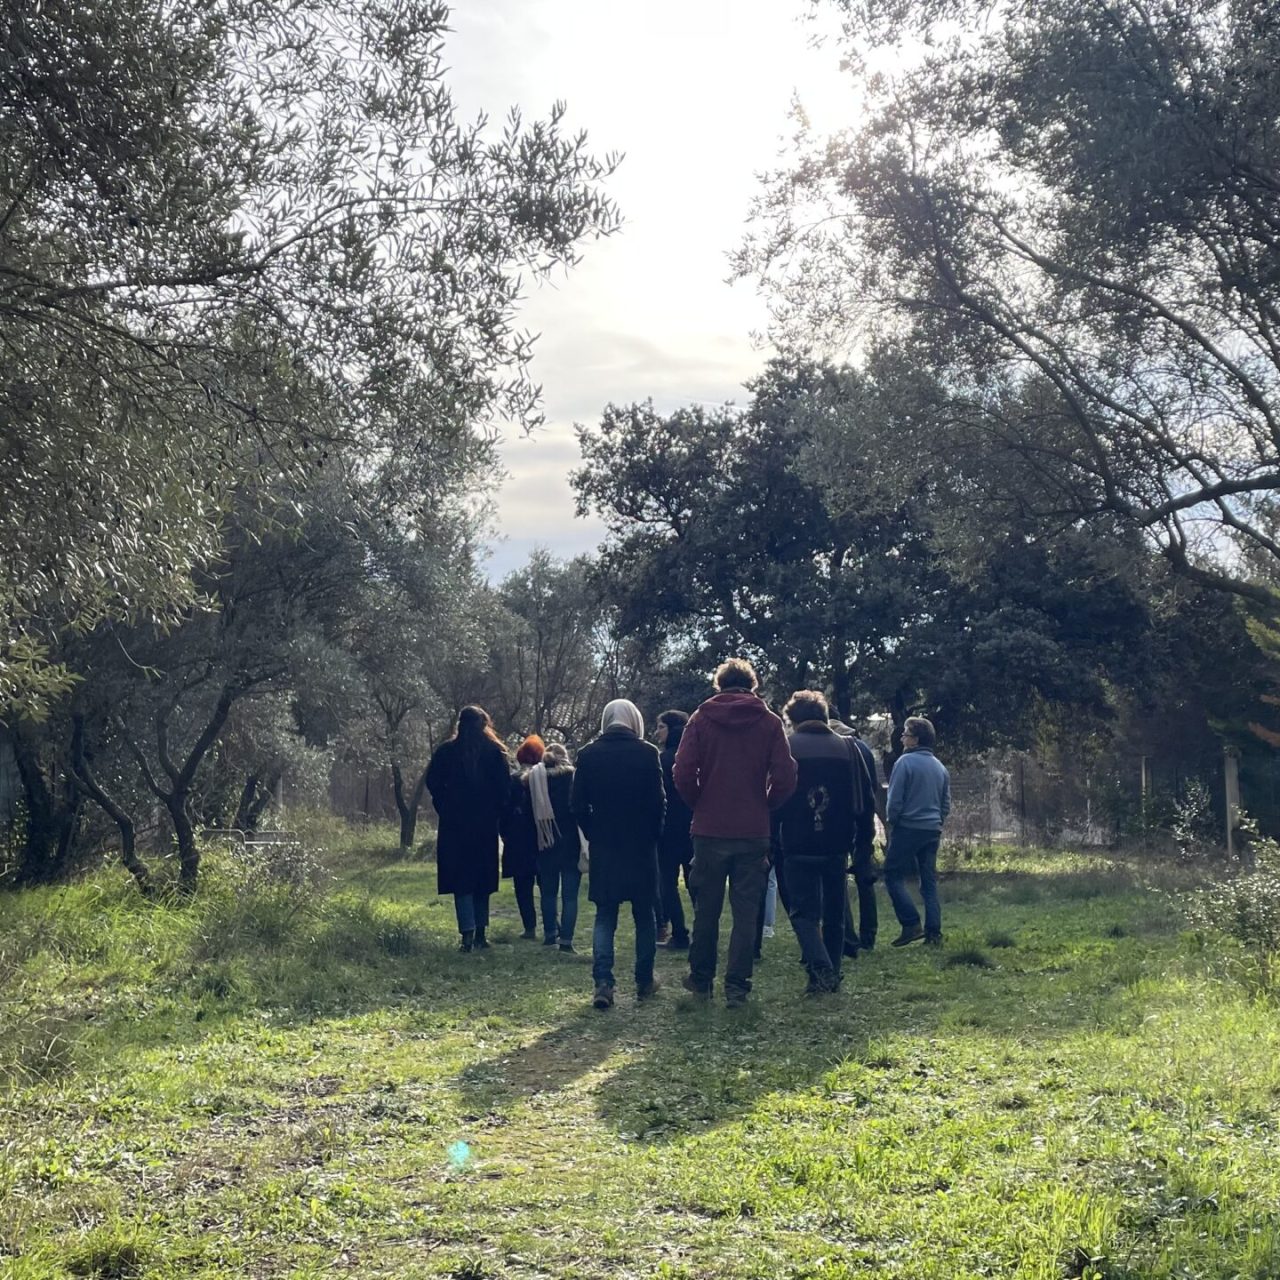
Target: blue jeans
(914,852)
(771,900)
(551,882)
(472,910)
(602,943)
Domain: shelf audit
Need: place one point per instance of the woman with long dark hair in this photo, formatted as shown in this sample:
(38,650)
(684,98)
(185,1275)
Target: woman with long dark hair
(468,778)
(675,850)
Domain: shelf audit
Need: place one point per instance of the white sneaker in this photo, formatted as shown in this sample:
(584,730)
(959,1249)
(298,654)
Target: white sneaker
(768,931)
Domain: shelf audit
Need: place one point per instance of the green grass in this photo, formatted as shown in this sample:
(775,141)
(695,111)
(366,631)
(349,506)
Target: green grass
(264,1084)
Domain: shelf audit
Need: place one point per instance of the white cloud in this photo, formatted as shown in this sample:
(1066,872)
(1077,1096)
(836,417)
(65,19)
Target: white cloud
(697,94)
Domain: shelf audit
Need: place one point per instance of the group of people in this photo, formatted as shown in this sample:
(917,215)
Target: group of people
(726,797)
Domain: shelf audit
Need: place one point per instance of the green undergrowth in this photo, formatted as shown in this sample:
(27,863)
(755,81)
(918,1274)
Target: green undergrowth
(276,1081)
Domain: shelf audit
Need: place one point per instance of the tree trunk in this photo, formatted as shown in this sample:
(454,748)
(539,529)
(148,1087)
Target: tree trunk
(175,799)
(90,785)
(841,688)
(265,793)
(247,810)
(898,714)
(53,814)
(188,854)
(407,806)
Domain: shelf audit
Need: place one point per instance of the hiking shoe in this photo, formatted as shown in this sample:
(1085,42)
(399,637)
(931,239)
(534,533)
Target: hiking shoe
(933,939)
(645,990)
(908,936)
(468,941)
(734,997)
(694,987)
(822,982)
(603,998)
(481,942)
(677,943)
(551,941)
(867,944)
(567,949)
(529,934)
(663,934)
(851,949)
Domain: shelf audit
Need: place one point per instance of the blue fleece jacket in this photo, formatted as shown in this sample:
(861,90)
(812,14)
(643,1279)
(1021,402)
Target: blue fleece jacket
(919,791)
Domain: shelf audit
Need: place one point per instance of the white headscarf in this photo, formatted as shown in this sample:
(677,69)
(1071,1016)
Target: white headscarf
(625,713)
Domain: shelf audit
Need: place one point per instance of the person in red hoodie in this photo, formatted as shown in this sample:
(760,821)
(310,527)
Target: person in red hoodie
(732,769)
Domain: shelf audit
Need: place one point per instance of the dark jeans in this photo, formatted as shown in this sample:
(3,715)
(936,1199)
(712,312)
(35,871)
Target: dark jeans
(672,909)
(911,853)
(551,882)
(817,890)
(602,943)
(524,900)
(744,864)
(864,876)
(472,910)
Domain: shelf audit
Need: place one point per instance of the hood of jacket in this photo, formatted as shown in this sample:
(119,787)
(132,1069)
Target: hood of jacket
(736,709)
(553,771)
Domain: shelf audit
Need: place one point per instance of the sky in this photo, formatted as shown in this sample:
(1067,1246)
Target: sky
(697,95)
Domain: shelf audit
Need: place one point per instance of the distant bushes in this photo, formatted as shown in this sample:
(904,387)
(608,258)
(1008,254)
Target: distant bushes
(1246,906)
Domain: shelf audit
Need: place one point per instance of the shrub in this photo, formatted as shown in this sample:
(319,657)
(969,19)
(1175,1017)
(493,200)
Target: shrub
(1193,825)
(1246,905)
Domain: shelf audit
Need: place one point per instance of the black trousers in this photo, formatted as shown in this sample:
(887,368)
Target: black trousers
(524,900)
(864,877)
(671,909)
(818,904)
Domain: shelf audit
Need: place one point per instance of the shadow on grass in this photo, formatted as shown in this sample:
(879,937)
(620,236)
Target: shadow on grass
(671,1066)
(684,1065)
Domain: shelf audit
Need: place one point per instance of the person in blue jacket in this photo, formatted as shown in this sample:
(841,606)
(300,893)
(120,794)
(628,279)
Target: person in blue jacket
(918,805)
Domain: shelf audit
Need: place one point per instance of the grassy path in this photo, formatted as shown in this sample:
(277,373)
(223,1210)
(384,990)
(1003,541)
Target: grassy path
(246,1087)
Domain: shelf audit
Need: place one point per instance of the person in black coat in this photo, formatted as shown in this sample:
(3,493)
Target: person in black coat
(863,864)
(469,782)
(519,836)
(559,846)
(817,828)
(618,801)
(675,850)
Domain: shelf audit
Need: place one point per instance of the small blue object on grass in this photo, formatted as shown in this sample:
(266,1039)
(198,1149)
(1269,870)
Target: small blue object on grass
(459,1156)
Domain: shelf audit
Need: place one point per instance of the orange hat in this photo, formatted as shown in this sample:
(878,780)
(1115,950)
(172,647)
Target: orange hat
(531,750)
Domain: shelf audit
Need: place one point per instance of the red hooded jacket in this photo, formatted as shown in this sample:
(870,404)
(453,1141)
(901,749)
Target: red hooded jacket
(733,767)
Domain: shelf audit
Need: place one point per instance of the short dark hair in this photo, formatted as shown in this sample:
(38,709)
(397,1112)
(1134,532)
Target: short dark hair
(806,704)
(673,719)
(921,730)
(736,673)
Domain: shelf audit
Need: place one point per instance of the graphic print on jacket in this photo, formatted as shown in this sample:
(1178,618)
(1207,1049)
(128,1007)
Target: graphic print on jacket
(820,818)
(819,799)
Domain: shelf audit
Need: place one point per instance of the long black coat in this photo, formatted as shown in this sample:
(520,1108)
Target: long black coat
(618,801)
(676,846)
(519,837)
(470,804)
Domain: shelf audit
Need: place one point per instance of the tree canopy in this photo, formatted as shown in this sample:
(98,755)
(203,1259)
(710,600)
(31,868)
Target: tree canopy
(236,240)
(1069,213)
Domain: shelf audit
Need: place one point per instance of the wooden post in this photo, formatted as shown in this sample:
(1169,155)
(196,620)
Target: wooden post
(1231,776)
